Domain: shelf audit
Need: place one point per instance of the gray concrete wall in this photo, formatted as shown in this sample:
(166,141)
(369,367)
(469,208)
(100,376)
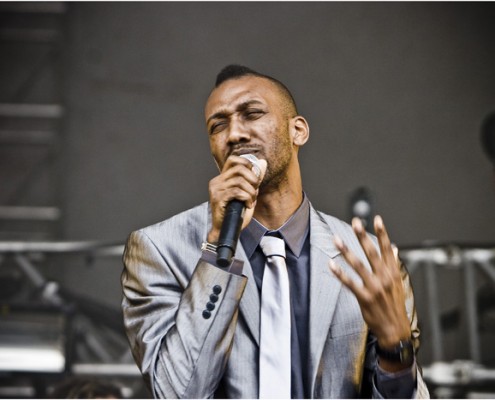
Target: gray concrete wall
(394,93)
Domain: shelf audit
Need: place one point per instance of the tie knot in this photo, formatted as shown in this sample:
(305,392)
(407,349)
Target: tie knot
(272,246)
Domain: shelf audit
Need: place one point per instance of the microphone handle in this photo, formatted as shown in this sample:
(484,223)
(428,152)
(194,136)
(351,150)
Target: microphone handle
(229,234)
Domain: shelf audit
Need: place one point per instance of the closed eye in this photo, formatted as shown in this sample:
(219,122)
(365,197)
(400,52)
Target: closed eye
(253,114)
(217,127)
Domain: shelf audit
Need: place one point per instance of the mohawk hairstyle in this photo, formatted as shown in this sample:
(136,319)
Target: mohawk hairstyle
(235,71)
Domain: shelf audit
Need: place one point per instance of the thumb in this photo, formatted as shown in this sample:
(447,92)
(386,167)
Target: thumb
(248,212)
(262,165)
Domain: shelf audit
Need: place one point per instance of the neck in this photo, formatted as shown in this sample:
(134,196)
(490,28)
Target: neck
(275,206)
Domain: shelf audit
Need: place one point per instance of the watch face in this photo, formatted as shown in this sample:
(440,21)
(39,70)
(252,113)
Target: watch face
(403,352)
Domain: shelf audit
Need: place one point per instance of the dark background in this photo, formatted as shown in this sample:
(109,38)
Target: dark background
(394,93)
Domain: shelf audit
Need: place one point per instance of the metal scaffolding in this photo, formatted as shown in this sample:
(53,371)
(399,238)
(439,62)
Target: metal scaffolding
(473,375)
(31,112)
(90,340)
(101,349)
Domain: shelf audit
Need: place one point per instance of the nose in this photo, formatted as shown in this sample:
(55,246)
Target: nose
(238,132)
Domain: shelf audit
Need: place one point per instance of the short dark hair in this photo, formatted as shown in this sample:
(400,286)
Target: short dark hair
(235,71)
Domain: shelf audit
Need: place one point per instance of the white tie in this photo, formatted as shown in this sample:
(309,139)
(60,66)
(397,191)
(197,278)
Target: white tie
(275,363)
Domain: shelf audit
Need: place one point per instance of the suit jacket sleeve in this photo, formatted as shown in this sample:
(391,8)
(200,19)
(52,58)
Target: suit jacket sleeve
(181,354)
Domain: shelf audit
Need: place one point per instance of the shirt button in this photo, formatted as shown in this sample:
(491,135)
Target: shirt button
(217,289)
(213,298)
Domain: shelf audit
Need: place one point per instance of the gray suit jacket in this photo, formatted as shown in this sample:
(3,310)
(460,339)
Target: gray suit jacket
(183,355)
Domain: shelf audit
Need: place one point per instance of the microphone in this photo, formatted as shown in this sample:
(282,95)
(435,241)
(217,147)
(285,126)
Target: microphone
(232,223)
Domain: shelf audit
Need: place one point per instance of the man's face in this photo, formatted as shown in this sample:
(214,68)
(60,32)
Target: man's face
(247,115)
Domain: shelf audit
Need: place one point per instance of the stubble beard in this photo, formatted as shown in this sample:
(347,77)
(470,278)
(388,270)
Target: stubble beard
(277,172)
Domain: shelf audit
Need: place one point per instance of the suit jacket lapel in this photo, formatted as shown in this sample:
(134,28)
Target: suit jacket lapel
(250,304)
(324,289)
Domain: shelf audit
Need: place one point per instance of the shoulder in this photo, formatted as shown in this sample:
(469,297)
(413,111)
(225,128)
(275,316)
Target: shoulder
(330,225)
(195,215)
(186,226)
(335,224)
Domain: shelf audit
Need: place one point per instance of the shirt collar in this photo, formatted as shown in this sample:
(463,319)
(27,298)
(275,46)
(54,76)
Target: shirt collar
(293,231)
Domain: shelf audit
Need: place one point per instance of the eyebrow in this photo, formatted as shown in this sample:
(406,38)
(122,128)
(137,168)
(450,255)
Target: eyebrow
(240,107)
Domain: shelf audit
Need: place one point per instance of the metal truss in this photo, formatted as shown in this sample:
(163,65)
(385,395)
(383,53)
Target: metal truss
(31,112)
(97,345)
(458,377)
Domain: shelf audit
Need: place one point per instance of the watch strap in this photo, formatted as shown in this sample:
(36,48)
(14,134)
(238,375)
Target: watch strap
(403,352)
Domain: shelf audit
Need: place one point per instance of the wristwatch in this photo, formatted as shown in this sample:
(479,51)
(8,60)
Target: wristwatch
(402,353)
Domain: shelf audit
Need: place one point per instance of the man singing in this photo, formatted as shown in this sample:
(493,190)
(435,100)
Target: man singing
(309,307)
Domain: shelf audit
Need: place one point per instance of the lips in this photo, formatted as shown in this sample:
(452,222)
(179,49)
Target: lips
(244,150)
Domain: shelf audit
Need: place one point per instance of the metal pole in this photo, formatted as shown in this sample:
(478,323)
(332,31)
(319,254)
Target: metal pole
(434,314)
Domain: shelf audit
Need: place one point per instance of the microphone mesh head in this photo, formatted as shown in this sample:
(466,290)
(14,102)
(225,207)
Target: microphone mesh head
(255,168)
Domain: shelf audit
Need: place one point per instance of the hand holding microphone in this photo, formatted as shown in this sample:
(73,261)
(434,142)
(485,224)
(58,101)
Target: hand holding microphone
(233,196)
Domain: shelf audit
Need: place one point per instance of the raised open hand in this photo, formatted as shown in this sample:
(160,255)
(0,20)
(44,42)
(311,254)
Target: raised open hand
(380,293)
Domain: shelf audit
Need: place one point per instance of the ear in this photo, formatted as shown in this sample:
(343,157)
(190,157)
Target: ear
(300,130)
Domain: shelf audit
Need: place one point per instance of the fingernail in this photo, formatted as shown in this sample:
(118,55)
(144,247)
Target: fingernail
(338,241)
(395,250)
(378,222)
(357,224)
